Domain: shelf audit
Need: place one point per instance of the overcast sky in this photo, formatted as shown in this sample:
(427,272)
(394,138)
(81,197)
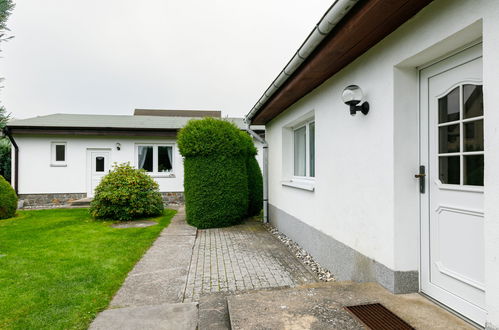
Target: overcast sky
(112,56)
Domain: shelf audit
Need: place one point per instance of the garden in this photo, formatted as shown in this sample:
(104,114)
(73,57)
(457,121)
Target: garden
(60,267)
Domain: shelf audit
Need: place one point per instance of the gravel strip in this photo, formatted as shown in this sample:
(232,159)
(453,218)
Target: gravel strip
(322,273)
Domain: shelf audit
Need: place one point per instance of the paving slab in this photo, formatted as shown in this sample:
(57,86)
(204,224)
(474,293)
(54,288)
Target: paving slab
(165,316)
(321,306)
(213,312)
(160,276)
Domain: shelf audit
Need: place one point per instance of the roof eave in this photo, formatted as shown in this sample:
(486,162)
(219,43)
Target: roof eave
(363,27)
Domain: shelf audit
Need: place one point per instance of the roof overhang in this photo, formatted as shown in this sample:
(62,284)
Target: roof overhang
(367,23)
(86,131)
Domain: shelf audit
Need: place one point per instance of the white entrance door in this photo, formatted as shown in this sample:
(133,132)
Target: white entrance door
(97,167)
(452,237)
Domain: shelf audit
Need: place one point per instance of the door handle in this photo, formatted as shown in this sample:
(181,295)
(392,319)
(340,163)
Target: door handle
(422,178)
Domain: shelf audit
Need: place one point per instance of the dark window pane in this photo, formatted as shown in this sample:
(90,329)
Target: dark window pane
(449,169)
(473,170)
(448,139)
(145,158)
(99,164)
(473,136)
(448,107)
(60,153)
(473,101)
(164,159)
(311,129)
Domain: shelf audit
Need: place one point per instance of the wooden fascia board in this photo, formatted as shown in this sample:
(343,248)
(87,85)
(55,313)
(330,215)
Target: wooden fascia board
(366,24)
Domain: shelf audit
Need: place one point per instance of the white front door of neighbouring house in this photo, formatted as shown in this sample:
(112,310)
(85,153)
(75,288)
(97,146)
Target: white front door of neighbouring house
(452,237)
(97,167)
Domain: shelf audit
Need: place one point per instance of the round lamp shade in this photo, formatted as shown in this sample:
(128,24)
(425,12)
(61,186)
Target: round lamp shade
(352,94)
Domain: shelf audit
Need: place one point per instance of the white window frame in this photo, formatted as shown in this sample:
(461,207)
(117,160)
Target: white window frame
(53,161)
(155,146)
(306,177)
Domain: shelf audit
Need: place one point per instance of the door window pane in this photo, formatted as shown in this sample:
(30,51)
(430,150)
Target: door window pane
(145,160)
(449,169)
(448,107)
(473,136)
(60,153)
(311,130)
(99,164)
(472,101)
(164,159)
(473,170)
(300,151)
(448,139)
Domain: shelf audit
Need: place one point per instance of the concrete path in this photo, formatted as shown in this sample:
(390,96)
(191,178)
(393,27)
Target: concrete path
(188,272)
(321,306)
(152,295)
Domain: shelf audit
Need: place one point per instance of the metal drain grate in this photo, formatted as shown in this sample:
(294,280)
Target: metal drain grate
(378,317)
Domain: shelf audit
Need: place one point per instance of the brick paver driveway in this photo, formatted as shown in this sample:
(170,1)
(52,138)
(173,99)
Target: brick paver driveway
(240,258)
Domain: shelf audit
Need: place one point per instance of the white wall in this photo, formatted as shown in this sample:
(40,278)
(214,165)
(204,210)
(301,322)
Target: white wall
(36,175)
(365,192)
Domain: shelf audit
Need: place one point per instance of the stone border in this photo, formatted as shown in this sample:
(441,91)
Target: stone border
(57,200)
(33,201)
(344,262)
(322,273)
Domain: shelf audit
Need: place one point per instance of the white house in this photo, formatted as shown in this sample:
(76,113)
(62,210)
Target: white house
(62,157)
(406,195)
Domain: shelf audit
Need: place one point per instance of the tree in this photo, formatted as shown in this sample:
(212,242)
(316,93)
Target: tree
(6,7)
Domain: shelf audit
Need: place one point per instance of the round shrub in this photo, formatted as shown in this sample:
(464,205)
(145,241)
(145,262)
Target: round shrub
(8,200)
(126,193)
(255,179)
(215,177)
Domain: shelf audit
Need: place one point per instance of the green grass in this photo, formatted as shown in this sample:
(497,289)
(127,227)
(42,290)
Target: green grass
(60,268)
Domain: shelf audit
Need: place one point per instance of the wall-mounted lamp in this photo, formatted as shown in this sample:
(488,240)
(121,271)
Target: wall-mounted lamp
(118,146)
(352,96)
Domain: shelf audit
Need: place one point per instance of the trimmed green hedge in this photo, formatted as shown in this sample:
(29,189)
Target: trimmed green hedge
(126,193)
(8,200)
(215,172)
(255,180)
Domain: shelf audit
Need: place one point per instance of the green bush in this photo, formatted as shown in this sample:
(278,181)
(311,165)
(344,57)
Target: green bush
(8,200)
(5,152)
(126,193)
(255,180)
(215,177)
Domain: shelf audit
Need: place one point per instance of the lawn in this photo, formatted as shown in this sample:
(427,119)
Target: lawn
(59,268)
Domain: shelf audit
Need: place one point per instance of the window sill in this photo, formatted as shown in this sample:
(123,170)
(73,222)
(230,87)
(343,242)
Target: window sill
(58,165)
(309,186)
(162,175)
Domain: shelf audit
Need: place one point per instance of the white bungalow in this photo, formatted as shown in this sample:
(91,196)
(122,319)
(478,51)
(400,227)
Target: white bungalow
(62,157)
(406,191)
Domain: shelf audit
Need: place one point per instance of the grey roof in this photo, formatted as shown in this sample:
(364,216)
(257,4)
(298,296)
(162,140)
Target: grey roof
(112,121)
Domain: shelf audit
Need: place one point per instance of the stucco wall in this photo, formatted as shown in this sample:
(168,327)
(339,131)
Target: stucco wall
(365,194)
(36,175)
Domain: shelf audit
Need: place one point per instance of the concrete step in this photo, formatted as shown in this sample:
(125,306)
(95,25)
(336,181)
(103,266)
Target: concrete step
(321,306)
(81,202)
(181,316)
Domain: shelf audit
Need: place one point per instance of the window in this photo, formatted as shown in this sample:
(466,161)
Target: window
(155,158)
(58,157)
(460,136)
(304,150)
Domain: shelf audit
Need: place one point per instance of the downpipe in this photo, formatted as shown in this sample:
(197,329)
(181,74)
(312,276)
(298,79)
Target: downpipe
(264,172)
